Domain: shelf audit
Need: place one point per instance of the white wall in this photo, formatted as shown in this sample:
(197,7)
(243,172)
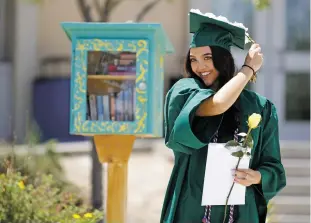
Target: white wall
(171,14)
(24,64)
(5,99)
(38,35)
(269,29)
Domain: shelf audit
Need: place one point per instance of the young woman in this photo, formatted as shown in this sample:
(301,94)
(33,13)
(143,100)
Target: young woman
(211,105)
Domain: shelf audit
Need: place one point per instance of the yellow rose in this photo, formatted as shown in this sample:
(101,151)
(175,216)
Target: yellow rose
(254,120)
(76,216)
(88,215)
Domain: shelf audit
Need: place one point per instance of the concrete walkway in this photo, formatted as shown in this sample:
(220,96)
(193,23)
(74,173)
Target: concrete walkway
(149,174)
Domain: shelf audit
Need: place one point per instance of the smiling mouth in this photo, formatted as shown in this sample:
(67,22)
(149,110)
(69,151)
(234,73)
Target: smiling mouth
(205,74)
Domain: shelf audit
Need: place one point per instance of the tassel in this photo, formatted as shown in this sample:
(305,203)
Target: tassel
(236,137)
(231,214)
(208,209)
(204,220)
(209,214)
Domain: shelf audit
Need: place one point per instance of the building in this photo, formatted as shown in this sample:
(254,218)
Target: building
(284,34)
(32,34)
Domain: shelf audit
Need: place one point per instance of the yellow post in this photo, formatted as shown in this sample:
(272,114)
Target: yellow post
(115,150)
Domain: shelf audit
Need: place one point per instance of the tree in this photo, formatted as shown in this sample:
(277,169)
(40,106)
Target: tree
(104,8)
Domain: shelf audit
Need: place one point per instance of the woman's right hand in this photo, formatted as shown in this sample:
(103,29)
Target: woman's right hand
(254,57)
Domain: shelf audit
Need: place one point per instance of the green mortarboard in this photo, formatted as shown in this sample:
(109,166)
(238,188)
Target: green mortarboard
(210,30)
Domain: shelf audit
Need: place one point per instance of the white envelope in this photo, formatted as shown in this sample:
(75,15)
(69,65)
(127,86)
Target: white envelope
(218,177)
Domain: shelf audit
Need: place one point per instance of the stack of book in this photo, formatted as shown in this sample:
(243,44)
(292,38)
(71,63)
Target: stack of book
(111,99)
(112,63)
(114,106)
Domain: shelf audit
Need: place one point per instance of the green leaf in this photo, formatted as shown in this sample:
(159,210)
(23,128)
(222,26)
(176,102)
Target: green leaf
(231,143)
(262,4)
(238,154)
(250,141)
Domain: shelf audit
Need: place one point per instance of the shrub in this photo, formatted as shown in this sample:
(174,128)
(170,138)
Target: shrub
(40,201)
(33,189)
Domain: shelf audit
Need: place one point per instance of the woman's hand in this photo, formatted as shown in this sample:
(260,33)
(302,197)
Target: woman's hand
(247,177)
(254,57)
(227,95)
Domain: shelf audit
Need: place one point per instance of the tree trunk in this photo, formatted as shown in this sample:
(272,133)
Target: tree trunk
(147,8)
(97,181)
(85,10)
(97,168)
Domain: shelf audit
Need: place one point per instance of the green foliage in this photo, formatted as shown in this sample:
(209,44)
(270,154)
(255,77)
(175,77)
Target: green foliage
(33,1)
(249,141)
(231,143)
(40,202)
(238,154)
(33,188)
(239,149)
(262,4)
(35,162)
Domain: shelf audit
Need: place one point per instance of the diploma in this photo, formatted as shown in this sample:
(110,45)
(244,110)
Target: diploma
(219,177)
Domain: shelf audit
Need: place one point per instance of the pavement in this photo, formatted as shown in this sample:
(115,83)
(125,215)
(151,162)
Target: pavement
(148,175)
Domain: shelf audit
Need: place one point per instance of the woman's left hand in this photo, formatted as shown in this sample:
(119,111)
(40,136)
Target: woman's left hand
(247,177)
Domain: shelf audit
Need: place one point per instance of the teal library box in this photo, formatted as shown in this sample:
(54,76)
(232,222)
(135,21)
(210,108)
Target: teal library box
(117,78)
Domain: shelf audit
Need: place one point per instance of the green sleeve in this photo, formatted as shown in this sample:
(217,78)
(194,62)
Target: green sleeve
(273,177)
(180,106)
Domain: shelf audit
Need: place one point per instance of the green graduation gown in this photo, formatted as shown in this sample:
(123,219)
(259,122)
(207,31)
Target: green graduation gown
(188,136)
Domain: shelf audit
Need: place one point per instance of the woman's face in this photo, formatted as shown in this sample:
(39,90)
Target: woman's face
(202,64)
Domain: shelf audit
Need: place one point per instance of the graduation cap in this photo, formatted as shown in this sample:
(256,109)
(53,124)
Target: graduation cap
(210,30)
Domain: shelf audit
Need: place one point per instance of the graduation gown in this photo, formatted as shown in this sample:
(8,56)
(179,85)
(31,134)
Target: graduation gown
(188,136)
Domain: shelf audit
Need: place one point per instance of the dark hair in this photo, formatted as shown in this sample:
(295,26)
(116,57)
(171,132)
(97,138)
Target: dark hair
(224,64)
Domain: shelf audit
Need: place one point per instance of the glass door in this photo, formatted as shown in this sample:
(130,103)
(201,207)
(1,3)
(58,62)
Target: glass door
(111,86)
